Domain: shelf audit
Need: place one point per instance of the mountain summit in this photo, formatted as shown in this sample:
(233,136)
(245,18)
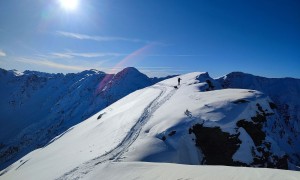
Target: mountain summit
(36,107)
(196,122)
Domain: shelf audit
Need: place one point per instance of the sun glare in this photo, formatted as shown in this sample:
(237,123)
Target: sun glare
(69,4)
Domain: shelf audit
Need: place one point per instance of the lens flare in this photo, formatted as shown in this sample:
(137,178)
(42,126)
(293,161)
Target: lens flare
(129,60)
(69,4)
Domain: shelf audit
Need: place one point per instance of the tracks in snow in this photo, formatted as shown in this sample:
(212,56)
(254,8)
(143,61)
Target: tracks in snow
(116,153)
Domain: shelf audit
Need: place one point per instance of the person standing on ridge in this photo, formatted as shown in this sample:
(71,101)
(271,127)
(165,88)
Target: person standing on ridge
(179,79)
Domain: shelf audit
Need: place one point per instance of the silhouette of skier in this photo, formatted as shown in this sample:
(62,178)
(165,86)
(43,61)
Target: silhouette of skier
(179,79)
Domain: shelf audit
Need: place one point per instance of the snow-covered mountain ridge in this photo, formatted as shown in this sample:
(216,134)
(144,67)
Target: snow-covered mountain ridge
(285,93)
(35,107)
(197,122)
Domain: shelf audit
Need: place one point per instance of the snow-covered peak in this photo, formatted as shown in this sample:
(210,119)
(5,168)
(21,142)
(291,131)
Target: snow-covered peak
(131,72)
(37,106)
(238,74)
(16,72)
(127,80)
(188,123)
(37,73)
(90,72)
(13,72)
(248,75)
(284,93)
(203,76)
(204,81)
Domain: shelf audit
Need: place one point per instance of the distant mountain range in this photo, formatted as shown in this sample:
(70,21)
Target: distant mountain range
(35,107)
(236,120)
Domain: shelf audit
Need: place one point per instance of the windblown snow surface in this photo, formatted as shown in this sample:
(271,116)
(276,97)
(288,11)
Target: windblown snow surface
(194,123)
(35,107)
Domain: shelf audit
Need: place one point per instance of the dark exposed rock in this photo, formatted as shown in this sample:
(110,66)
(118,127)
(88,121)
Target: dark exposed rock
(264,157)
(240,101)
(259,119)
(210,85)
(217,146)
(260,108)
(254,130)
(254,127)
(282,163)
(269,160)
(273,105)
(172,133)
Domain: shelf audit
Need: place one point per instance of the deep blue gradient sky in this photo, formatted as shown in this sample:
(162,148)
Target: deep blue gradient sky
(159,37)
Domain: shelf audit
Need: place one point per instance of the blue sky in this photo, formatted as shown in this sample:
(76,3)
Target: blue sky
(159,37)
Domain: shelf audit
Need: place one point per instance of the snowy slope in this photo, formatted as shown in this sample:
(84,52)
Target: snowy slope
(285,93)
(140,170)
(192,124)
(151,171)
(35,107)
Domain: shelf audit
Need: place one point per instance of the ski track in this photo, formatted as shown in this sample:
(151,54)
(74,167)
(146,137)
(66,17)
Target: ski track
(116,153)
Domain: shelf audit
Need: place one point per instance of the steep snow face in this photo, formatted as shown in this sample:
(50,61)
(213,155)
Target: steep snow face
(285,93)
(187,123)
(35,107)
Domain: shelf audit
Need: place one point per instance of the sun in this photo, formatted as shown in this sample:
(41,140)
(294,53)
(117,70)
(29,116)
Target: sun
(69,4)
